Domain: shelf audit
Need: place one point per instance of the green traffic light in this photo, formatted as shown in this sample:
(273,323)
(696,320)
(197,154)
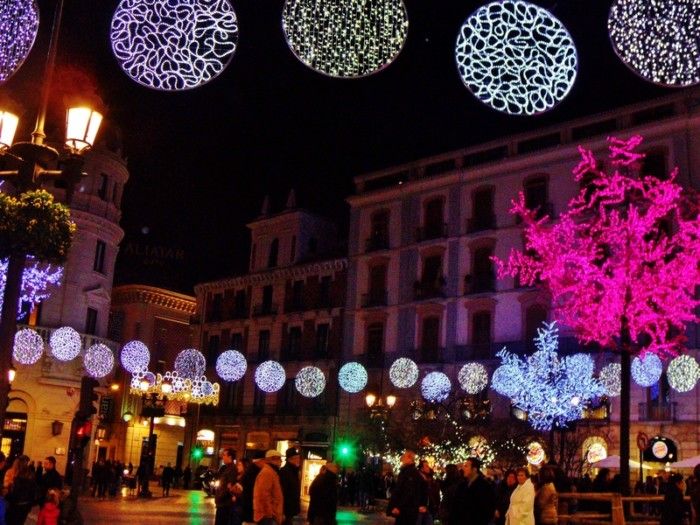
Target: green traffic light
(197,453)
(345,450)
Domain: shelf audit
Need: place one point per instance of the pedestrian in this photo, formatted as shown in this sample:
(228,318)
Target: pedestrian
(166,479)
(22,494)
(50,510)
(448,486)
(290,480)
(410,492)
(268,505)
(432,502)
(248,483)
(503,493)
(186,477)
(49,479)
(475,500)
(522,502)
(222,496)
(546,499)
(323,496)
(178,476)
(673,509)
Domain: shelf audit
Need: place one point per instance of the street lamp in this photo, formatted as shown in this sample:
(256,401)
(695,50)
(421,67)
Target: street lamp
(11,374)
(379,406)
(153,407)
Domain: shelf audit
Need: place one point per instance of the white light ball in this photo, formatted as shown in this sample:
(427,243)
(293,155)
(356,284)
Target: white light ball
(28,347)
(231,365)
(190,363)
(352,377)
(403,373)
(135,356)
(610,378)
(19,24)
(65,344)
(683,373)
(310,381)
(270,376)
(98,360)
(506,380)
(436,387)
(647,372)
(473,378)
(579,366)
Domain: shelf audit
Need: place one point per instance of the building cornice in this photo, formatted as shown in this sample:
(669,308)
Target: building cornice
(136,293)
(116,234)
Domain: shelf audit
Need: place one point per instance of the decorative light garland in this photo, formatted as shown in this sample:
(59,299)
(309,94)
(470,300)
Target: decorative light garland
(310,381)
(683,373)
(28,347)
(135,356)
(231,365)
(435,387)
(270,376)
(174,46)
(19,24)
(610,378)
(516,57)
(403,373)
(98,360)
(199,390)
(473,378)
(190,363)
(647,371)
(352,377)
(65,344)
(38,279)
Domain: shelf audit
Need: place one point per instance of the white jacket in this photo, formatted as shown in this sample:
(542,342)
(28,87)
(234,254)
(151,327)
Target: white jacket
(522,505)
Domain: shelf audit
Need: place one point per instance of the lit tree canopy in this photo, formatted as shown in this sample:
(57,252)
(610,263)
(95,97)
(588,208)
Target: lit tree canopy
(38,280)
(622,258)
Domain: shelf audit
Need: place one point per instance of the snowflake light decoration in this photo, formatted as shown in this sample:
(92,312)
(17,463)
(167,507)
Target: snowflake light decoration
(190,363)
(270,376)
(551,390)
(516,57)
(403,373)
(610,378)
(345,38)
(174,46)
(435,387)
(683,373)
(38,279)
(65,344)
(19,24)
(135,356)
(473,378)
(28,347)
(310,381)
(647,371)
(658,39)
(98,360)
(231,365)
(352,377)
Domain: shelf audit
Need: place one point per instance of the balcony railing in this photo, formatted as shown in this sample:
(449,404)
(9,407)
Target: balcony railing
(654,412)
(264,309)
(374,298)
(431,231)
(376,242)
(428,289)
(430,355)
(479,283)
(481,223)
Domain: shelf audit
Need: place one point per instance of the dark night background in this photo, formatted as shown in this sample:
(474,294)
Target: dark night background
(201,161)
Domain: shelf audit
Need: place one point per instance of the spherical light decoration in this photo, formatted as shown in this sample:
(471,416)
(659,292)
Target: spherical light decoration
(610,378)
(135,356)
(65,344)
(174,46)
(658,39)
(647,371)
(98,360)
(435,387)
(231,365)
(506,380)
(683,373)
(28,347)
(190,363)
(473,378)
(403,373)
(579,366)
(516,57)
(352,377)
(19,24)
(310,381)
(270,376)
(345,38)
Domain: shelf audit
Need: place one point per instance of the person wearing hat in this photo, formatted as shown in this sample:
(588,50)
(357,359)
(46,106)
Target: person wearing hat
(268,506)
(323,496)
(290,479)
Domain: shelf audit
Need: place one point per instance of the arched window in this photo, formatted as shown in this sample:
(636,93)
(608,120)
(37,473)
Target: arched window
(535,315)
(430,340)
(483,216)
(536,191)
(434,219)
(379,234)
(273,253)
(481,334)
(483,277)
(375,344)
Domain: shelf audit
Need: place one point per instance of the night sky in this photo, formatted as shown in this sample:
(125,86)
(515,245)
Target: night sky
(202,160)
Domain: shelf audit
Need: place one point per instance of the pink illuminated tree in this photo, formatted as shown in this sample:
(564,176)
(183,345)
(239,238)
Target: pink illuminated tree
(621,264)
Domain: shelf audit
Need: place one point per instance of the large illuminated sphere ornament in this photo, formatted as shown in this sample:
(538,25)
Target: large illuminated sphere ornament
(610,378)
(435,387)
(658,39)
(352,377)
(231,365)
(135,356)
(270,376)
(28,348)
(646,372)
(19,24)
(65,344)
(506,380)
(190,363)
(310,381)
(174,45)
(345,38)
(683,373)
(473,378)
(516,57)
(98,360)
(403,373)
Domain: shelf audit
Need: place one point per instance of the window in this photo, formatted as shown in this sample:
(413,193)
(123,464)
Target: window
(237,342)
(115,325)
(481,334)
(430,340)
(258,401)
(432,270)
(483,276)
(91,321)
(286,402)
(213,348)
(263,345)
(273,253)
(298,295)
(654,164)
(483,216)
(313,245)
(324,293)
(252,256)
(322,333)
(104,185)
(239,304)
(217,304)
(379,233)
(536,195)
(115,194)
(267,298)
(660,393)
(535,315)
(293,343)
(433,219)
(137,330)
(99,262)
(377,286)
(375,343)
(232,395)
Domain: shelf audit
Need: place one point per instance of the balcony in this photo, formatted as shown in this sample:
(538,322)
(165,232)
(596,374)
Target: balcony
(263,309)
(372,360)
(430,355)
(431,231)
(477,351)
(376,242)
(428,289)
(291,354)
(479,283)
(660,412)
(374,298)
(481,223)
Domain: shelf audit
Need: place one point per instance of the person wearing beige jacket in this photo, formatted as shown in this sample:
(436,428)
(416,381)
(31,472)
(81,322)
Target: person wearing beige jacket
(267,492)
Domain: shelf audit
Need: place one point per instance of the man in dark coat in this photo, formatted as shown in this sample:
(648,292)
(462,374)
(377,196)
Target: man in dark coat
(409,492)
(323,496)
(49,479)
(222,497)
(291,485)
(475,500)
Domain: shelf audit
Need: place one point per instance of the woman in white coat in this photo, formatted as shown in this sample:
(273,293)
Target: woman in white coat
(522,502)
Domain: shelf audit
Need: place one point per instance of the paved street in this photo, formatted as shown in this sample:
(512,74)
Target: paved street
(186,507)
